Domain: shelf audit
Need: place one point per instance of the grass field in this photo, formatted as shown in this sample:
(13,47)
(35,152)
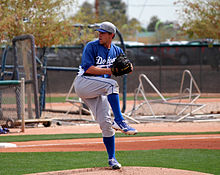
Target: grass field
(207,161)
(61,99)
(200,160)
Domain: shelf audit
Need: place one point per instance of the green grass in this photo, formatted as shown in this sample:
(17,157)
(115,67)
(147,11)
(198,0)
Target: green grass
(55,99)
(22,138)
(129,98)
(200,160)
(62,99)
(206,161)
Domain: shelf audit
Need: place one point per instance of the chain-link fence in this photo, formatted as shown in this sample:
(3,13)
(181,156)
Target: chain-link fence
(12,103)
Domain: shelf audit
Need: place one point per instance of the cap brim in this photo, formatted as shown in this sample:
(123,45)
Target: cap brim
(101,30)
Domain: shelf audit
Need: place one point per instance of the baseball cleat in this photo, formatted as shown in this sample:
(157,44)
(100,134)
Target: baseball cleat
(113,163)
(124,127)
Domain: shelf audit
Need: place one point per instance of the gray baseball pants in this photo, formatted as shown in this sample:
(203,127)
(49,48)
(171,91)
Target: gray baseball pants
(93,91)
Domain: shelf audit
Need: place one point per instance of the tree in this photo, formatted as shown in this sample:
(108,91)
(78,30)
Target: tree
(200,18)
(113,11)
(153,21)
(164,31)
(85,16)
(45,19)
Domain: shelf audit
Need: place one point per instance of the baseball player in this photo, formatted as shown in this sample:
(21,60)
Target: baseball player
(95,87)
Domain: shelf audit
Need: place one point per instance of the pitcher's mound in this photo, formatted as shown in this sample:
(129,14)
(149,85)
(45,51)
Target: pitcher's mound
(124,171)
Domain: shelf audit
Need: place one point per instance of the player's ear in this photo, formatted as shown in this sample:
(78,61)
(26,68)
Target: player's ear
(113,35)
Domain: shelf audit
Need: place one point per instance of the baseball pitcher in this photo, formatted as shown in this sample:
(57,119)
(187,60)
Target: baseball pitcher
(93,84)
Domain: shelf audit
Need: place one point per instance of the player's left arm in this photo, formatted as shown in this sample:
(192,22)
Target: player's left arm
(98,70)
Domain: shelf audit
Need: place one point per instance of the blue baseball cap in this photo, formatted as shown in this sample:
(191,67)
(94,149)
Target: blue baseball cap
(107,27)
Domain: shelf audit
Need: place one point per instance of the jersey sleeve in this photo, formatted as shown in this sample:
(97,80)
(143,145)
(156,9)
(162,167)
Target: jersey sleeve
(118,50)
(88,57)
(121,51)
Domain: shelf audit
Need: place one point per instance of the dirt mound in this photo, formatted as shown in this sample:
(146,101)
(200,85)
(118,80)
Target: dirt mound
(123,171)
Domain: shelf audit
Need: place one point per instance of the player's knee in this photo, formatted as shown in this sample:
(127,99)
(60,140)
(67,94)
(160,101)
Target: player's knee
(107,130)
(113,88)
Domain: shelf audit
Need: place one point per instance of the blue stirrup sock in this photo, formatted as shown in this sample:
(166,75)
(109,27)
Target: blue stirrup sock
(110,146)
(113,99)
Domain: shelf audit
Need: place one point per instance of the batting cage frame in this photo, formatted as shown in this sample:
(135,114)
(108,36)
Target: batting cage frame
(24,66)
(33,81)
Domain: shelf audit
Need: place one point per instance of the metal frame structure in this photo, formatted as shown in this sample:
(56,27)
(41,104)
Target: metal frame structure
(16,75)
(192,97)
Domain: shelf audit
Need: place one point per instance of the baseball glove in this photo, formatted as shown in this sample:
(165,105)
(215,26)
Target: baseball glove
(121,66)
